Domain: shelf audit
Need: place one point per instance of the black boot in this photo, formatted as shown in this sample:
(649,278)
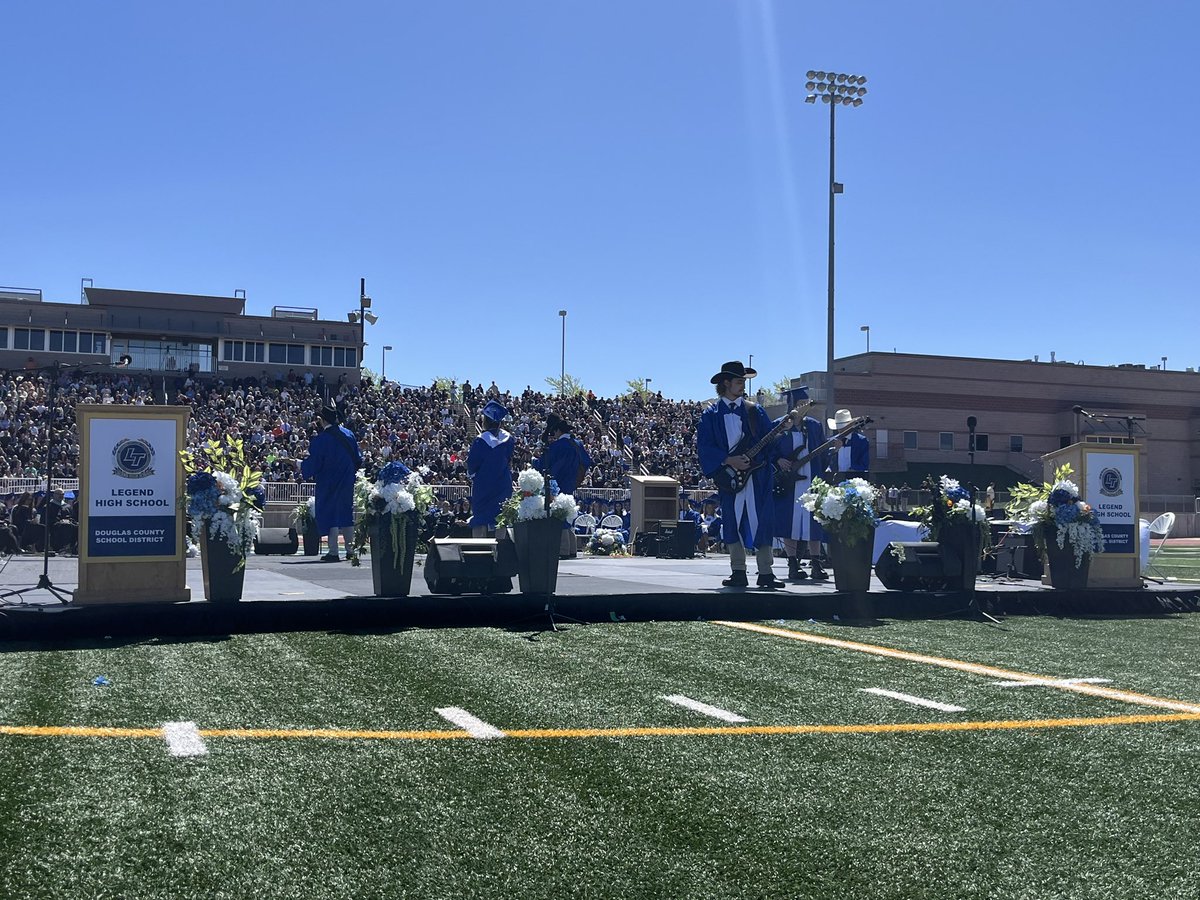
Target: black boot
(795,573)
(818,573)
(769,582)
(737,579)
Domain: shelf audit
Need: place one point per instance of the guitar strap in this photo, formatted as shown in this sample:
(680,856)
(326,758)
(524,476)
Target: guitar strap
(752,420)
(356,458)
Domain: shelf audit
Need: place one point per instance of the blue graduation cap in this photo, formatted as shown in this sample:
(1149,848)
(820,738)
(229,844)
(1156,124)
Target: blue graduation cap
(795,395)
(69,495)
(495,411)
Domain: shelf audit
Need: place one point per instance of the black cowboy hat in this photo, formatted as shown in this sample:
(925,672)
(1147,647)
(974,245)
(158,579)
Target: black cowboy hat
(733,369)
(555,422)
(329,414)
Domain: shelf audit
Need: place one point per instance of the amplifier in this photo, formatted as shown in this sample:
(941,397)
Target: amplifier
(920,566)
(276,542)
(470,566)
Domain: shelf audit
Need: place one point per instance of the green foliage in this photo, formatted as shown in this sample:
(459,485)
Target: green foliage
(1024,494)
(639,386)
(449,385)
(568,386)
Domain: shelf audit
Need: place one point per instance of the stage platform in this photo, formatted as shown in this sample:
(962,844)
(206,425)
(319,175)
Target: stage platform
(288,593)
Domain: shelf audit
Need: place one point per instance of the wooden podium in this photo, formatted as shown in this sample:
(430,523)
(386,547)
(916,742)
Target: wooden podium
(1107,475)
(653,499)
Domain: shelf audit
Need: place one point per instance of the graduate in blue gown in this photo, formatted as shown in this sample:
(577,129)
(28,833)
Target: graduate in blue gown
(852,457)
(333,461)
(564,459)
(489,466)
(748,516)
(793,523)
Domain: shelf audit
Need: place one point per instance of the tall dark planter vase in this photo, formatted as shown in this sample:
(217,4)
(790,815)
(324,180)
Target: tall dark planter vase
(959,547)
(852,562)
(391,573)
(224,571)
(1064,575)
(312,540)
(538,542)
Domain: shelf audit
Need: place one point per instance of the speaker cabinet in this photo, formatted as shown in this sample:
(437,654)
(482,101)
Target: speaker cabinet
(912,566)
(276,542)
(677,540)
(470,566)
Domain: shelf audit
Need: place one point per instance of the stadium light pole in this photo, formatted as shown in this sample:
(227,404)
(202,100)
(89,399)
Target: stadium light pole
(383,362)
(362,317)
(562,360)
(867,329)
(749,381)
(834,89)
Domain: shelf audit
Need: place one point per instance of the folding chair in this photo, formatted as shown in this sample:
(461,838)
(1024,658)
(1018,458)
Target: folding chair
(1159,527)
(585,526)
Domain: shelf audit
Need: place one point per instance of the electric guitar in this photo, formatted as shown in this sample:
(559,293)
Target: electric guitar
(729,480)
(784,481)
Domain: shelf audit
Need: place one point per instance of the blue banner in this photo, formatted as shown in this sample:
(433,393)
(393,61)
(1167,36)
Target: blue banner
(131,535)
(1119,538)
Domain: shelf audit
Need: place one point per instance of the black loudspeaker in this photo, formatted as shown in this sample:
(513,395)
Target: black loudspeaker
(276,542)
(912,566)
(646,544)
(1027,561)
(470,566)
(678,540)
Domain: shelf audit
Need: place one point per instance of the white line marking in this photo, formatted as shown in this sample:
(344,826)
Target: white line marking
(183,739)
(916,701)
(1051,682)
(476,728)
(696,706)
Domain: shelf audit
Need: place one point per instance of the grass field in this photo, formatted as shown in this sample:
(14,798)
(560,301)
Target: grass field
(322,768)
(1181,562)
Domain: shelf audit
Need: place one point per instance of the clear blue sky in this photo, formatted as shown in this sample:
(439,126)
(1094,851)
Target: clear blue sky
(1022,177)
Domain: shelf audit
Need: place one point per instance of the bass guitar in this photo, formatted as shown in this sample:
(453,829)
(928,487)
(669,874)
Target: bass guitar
(729,480)
(785,481)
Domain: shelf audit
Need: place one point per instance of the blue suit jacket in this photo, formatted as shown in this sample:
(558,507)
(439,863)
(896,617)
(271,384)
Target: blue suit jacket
(712,446)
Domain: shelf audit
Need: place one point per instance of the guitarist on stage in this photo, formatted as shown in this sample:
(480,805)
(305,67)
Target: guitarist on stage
(747,515)
(793,523)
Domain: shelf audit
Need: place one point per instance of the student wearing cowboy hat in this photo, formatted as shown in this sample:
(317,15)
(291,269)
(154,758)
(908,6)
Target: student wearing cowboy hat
(852,459)
(563,458)
(748,516)
(489,466)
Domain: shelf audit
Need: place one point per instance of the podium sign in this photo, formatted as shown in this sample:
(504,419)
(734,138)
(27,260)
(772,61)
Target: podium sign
(131,542)
(1109,486)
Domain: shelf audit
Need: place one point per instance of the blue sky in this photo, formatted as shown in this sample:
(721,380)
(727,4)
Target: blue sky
(1021,178)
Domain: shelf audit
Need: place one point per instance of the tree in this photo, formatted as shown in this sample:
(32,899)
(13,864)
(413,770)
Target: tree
(568,386)
(639,386)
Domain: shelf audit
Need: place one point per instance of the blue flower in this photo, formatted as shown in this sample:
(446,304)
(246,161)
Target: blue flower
(393,473)
(201,483)
(1065,513)
(1061,497)
(259,497)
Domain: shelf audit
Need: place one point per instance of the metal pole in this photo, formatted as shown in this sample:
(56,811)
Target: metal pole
(562,369)
(362,322)
(830,395)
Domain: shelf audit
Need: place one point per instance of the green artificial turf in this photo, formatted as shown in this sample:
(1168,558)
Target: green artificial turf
(1104,811)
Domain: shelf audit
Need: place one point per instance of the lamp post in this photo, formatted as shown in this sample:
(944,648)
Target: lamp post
(362,317)
(749,381)
(646,383)
(383,362)
(562,360)
(833,88)
(867,329)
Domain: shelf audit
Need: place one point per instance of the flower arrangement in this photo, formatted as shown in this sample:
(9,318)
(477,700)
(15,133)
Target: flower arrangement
(223,494)
(846,510)
(528,501)
(396,490)
(607,542)
(304,516)
(951,506)
(1057,511)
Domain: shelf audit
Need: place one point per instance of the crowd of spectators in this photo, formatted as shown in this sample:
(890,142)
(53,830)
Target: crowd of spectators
(429,426)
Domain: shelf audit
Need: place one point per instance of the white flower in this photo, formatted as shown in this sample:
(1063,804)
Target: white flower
(531,508)
(413,481)
(1065,485)
(948,484)
(563,507)
(864,489)
(531,481)
(395,498)
(834,507)
(1038,509)
(230,493)
(980,514)
(809,501)
(607,539)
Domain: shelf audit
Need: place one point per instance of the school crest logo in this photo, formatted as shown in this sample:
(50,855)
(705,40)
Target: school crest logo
(1110,482)
(133,458)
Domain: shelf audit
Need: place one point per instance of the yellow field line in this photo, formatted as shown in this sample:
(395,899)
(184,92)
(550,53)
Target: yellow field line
(1092,690)
(568,733)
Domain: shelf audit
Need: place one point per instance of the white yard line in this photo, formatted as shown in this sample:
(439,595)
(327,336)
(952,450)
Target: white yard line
(183,739)
(916,701)
(1051,682)
(704,709)
(476,728)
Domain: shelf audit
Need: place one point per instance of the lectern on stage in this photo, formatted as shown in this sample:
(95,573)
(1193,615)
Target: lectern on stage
(1107,475)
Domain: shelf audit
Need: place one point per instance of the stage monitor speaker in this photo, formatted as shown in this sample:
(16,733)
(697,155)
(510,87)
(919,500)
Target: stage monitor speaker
(276,542)
(1027,561)
(470,566)
(919,568)
(677,540)
(646,544)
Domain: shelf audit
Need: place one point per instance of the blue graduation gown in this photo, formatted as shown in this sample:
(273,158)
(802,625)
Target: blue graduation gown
(561,461)
(859,457)
(792,520)
(331,465)
(489,466)
(756,525)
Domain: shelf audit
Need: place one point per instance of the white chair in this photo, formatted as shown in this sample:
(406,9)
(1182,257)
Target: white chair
(611,521)
(1160,527)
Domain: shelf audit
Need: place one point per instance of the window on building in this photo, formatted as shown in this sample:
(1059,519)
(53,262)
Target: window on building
(981,442)
(243,351)
(946,440)
(3,338)
(910,440)
(291,354)
(320,356)
(346,357)
(881,443)
(29,339)
(1016,443)
(93,342)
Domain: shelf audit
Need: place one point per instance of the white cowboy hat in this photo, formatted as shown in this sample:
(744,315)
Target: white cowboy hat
(840,420)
